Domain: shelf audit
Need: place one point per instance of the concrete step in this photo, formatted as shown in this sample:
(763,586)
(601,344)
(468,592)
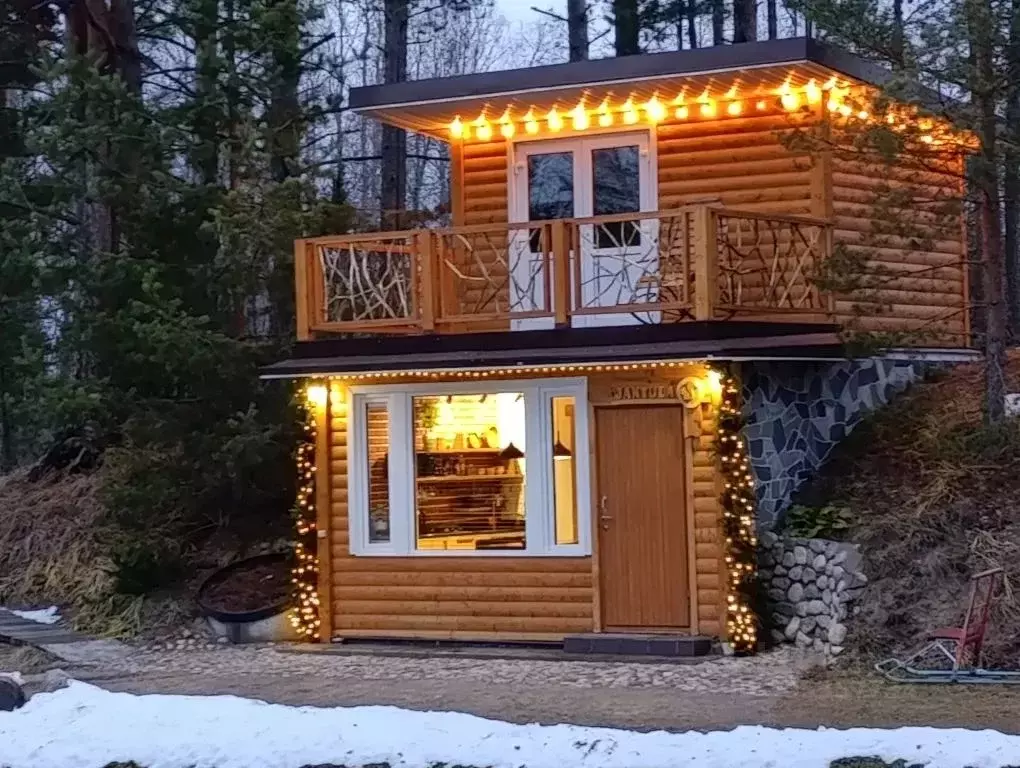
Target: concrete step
(626,644)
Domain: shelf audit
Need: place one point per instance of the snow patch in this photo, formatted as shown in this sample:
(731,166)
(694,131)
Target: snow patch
(82,726)
(49,615)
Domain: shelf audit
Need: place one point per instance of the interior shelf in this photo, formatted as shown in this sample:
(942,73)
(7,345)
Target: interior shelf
(438,479)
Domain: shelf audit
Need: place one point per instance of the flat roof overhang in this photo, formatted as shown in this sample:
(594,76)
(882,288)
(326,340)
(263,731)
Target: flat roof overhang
(524,350)
(428,106)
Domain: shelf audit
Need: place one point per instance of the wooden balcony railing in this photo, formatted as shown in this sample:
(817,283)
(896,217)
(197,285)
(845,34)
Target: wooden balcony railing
(693,263)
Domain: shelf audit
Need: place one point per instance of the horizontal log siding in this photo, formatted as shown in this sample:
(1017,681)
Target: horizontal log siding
(741,162)
(709,565)
(917,285)
(482,598)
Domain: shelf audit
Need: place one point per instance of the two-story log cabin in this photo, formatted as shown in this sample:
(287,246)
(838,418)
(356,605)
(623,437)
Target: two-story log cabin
(519,413)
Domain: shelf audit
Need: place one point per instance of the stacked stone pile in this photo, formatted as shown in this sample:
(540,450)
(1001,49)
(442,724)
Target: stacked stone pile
(811,586)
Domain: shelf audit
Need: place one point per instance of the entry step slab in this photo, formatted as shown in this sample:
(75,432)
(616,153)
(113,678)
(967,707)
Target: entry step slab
(639,645)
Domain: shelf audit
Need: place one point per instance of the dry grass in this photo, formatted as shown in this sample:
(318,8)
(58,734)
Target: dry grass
(53,550)
(935,497)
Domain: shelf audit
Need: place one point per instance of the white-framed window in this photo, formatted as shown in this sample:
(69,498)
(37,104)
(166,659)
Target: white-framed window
(469,469)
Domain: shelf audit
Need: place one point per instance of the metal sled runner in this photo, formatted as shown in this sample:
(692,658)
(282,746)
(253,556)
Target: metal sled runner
(953,654)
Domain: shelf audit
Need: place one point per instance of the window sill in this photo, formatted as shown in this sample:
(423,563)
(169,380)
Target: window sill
(461,553)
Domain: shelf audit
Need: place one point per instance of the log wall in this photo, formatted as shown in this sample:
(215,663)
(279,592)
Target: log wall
(502,598)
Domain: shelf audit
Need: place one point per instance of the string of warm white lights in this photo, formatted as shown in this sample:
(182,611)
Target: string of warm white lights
(304,574)
(840,99)
(485,373)
(738,522)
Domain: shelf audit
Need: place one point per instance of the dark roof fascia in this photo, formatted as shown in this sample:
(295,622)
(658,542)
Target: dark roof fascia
(566,346)
(720,58)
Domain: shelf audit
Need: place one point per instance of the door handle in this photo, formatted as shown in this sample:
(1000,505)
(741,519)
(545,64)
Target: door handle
(604,516)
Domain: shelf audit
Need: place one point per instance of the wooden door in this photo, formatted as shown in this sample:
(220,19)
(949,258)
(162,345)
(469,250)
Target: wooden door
(642,518)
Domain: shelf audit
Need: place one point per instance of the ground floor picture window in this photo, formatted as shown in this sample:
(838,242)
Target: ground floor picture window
(479,469)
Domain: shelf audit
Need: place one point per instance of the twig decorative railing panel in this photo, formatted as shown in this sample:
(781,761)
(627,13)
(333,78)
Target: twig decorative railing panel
(493,272)
(700,262)
(637,264)
(368,280)
(768,262)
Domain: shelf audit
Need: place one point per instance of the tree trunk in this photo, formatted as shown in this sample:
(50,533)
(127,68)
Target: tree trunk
(692,23)
(284,119)
(1011,177)
(205,156)
(772,17)
(393,191)
(577,29)
(897,34)
(718,19)
(981,29)
(627,27)
(745,21)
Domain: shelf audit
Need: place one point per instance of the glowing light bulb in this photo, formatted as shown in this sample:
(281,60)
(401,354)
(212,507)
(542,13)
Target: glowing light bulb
(655,110)
(579,117)
(484,131)
(506,124)
(630,115)
(762,105)
(833,103)
(812,92)
(531,126)
(863,114)
(708,109)
(456,128)
(554,120)
(790,101)
(605,116)
(734,108)
(682,112)
(845,110)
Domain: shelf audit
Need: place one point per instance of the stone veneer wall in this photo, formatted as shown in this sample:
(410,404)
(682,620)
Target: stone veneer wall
(796,412)
(810,586)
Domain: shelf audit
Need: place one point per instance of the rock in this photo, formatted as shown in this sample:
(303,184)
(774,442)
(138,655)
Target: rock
(790,633)
(222,640)
(816,545)
(780,582)
(808,624)
(819,645)
(823,581)
(827,597)
(777,636)
(802,609)
(809,575)
(832,549)
(857,610)
(785,609)
(835,650)
(829,567)
(789,560)
(53,680)
(12,696)
(818,563)
(837,634)
(769,539)
(795,594)
(859,579)
(797,572)
(824,621)
(841,585)
(765,560)
(811,592)
(839,557)
(777,551)
(799,556)
(780,571)
(815,607)
(803,641)
(777,594)
(837,572)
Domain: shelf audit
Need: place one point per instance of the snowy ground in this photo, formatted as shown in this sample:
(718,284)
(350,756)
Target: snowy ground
(41,616)
(82,726)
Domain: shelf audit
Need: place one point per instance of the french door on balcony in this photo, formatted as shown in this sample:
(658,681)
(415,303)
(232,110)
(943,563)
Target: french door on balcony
(580,178)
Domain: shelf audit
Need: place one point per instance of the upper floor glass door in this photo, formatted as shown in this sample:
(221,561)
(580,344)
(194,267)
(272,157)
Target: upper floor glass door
(612,260)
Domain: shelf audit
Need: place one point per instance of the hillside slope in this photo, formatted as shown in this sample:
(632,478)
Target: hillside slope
(935,497)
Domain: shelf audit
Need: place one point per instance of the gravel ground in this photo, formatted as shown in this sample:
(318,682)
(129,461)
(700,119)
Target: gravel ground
(774,688)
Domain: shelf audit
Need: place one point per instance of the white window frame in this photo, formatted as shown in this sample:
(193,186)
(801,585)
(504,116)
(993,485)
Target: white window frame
(540,518)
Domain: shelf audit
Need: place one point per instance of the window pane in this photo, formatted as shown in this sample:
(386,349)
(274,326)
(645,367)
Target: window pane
(550,190)
(377,424)
(469,471)
(564,470)
(616,188)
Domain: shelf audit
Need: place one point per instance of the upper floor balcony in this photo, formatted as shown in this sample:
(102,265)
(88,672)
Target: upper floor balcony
(696,262)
